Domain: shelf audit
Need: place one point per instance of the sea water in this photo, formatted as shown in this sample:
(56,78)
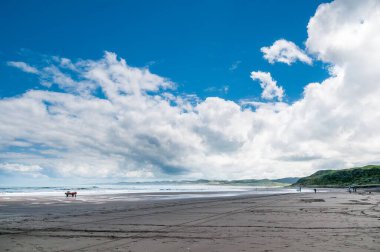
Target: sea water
(151,189)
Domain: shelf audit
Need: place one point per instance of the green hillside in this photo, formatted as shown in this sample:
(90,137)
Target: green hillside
(367,175)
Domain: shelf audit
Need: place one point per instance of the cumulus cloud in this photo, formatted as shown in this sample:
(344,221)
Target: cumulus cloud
(286,52)
(269,86)
(23,66)
(113,120)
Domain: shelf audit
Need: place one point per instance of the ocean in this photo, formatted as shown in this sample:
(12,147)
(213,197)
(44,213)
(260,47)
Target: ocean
(141,191)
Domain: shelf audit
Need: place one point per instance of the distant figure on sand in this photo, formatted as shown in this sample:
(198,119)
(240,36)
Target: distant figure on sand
(300,189)
(73,194)
(349,189)
(315,190)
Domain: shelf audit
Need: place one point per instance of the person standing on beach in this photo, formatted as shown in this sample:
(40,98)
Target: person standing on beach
(315,190)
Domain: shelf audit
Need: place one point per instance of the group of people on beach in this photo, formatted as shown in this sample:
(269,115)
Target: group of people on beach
(300,189)
(72,194)
(351,189)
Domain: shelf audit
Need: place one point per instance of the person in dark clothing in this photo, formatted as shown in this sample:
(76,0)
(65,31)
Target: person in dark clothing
(315,190)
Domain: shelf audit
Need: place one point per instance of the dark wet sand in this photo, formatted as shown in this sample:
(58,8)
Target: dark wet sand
(335,221)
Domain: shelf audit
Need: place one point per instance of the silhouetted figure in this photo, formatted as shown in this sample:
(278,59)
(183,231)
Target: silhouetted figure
(349,189)
(315,190)
(300,189)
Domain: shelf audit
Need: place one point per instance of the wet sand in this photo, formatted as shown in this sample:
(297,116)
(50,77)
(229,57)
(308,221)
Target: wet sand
(334,221)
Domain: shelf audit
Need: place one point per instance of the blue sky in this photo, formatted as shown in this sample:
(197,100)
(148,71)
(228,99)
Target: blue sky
(194,43)
(110,90)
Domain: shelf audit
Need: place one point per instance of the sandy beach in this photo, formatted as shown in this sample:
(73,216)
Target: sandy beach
(333,221)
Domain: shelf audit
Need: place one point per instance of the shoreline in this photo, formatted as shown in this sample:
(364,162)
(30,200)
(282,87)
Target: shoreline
(59,197)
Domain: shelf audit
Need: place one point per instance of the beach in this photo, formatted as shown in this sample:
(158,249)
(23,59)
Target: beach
(330,221)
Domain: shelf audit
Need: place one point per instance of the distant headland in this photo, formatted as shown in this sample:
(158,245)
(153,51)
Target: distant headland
(366,176)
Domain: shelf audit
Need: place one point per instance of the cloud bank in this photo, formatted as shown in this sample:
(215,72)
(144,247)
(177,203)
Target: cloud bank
(113,120)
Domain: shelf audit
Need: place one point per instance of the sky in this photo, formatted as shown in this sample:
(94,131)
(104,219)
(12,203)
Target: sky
(146,90)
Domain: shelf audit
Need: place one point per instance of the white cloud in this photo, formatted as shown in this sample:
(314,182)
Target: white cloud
(23,66)
(139,128)
(286,52)
(28,170)
(269,86)
(234,65)
(20,168)
(223,89)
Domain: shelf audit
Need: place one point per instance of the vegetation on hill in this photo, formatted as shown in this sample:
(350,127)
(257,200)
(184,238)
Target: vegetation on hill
(289,180)
(358,176)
